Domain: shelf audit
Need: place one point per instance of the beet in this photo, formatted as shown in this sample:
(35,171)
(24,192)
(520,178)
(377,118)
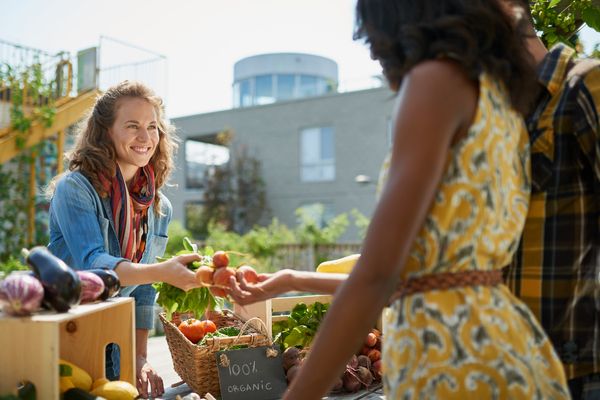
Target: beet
(351,382)
(291,357)
(353,362)
(292,372)
(374,355)
(376,368)
(365,376)
(22,294)
(92,286)
(364,361)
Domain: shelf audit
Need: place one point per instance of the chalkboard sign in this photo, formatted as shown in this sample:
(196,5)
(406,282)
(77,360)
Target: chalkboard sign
(251,374)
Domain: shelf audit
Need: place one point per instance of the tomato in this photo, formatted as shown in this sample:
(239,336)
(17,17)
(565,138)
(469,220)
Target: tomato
(208,326)
(220,259)
(192,329)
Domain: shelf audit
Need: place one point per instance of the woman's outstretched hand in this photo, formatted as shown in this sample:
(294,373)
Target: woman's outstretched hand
(267,287)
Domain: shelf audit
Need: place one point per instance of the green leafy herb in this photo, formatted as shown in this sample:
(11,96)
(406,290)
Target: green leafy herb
(301,326)
(227,331)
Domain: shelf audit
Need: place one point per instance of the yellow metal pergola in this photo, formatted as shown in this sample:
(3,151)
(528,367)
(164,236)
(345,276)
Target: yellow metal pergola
(69,110)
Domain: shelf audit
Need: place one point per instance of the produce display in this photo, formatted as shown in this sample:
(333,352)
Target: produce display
(54,285)
(297,333)
(362,371)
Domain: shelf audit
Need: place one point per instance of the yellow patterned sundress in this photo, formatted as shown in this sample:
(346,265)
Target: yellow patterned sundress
(473,342)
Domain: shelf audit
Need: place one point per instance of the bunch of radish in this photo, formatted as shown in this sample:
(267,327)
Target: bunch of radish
(372,351)
(218,276)
(362,370)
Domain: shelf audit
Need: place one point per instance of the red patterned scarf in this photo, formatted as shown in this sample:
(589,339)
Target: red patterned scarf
(130,209)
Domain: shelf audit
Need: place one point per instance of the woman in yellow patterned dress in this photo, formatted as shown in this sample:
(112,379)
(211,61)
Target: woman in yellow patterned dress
(449,217)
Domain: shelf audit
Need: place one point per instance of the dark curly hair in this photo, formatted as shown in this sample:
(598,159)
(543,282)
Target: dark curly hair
(475,33)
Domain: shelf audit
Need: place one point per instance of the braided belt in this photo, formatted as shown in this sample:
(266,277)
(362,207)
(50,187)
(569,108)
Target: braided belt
(446,280)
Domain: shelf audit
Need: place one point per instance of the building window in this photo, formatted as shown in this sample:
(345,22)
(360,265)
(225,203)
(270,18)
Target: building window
(264,89)
(308,86)
(317,155)
(285,86)
(267,89)
(245,93)
(319,213)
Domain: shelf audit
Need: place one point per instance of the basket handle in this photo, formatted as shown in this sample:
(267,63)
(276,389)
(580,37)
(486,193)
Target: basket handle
(245,326)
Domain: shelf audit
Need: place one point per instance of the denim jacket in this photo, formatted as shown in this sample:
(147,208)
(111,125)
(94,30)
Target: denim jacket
(83,235)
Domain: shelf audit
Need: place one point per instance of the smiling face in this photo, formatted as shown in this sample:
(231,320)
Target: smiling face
(134,134)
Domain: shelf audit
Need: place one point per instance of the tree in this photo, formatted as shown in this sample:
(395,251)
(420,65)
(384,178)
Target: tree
(234,194)
(559,21)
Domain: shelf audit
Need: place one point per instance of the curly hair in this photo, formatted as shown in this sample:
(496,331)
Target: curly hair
(475,33)
(94,151)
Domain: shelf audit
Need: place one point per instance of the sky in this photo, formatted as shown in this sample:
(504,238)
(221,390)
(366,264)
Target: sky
(200,39)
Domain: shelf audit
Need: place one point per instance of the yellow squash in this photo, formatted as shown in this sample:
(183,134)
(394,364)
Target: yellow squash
(79,377)
(65,383)
(342,265)
(99,382)
(116,390)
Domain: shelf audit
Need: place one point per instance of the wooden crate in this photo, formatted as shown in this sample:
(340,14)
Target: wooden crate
(278,309)
(30,347)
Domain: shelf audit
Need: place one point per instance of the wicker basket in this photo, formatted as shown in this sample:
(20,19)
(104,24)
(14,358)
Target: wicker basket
(196,364)
(177,317)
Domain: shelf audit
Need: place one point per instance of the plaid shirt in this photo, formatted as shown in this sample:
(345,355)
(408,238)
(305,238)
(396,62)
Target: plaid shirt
(556,269)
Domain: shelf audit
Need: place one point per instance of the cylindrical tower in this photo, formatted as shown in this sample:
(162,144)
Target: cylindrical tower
(267,78)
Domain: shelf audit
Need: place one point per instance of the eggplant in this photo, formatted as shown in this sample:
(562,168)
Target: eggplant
(79,394)
(62,286)
(92,286)
(112,285)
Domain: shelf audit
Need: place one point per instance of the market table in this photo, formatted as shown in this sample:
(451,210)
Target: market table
(160,358)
